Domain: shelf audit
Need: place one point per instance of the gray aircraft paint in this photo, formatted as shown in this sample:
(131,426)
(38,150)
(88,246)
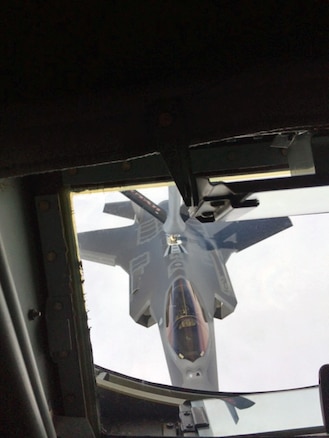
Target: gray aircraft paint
(142,250)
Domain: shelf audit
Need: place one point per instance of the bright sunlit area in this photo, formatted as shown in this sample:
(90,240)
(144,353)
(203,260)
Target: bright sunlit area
(143,256)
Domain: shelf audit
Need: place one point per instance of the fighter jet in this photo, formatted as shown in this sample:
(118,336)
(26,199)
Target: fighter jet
(178,275)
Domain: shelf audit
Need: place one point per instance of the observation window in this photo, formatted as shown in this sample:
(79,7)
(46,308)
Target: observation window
(276,335)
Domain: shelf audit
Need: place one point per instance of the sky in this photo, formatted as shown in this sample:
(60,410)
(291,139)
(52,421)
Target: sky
(277,336)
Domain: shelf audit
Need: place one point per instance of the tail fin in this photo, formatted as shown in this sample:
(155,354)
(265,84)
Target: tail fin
(237,402)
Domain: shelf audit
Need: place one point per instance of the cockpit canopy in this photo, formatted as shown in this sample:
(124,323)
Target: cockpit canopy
(187,328)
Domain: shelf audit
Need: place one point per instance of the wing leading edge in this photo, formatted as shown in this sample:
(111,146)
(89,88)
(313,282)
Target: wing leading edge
(240,235)
(110,246)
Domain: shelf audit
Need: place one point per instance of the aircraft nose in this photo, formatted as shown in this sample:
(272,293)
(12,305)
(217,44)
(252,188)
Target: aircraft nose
(187,328)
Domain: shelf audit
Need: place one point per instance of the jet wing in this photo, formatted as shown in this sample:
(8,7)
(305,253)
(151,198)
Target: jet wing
(110,246)
(236,236)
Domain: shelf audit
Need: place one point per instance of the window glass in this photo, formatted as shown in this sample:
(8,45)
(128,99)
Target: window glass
(275,337)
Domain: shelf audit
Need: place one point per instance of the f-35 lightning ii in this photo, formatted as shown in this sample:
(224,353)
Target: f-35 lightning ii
(178,276)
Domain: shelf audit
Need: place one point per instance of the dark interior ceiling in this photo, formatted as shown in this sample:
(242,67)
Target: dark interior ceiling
(91,82)
(79,82)
(60,49)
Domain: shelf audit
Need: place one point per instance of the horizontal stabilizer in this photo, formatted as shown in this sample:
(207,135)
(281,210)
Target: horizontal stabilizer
(121,209)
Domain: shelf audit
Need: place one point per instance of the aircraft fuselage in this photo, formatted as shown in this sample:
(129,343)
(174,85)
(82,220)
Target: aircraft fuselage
(197,279)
